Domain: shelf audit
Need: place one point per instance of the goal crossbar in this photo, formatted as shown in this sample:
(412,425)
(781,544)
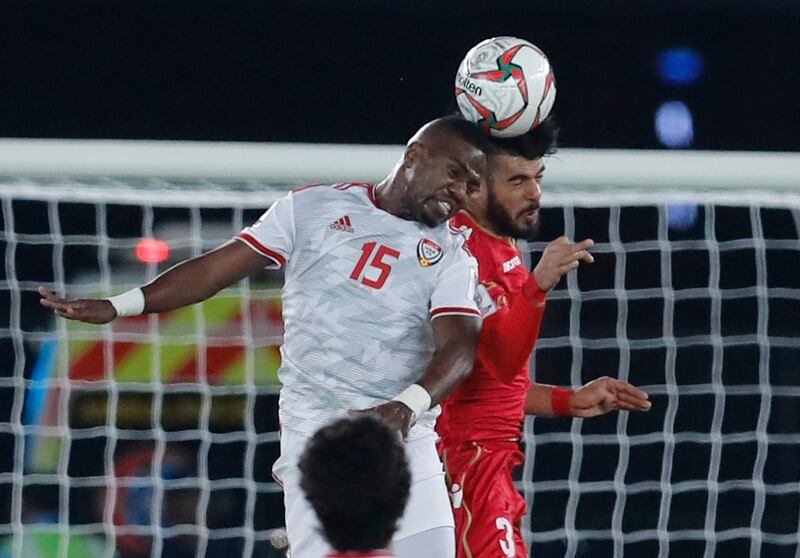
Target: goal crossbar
(220,171)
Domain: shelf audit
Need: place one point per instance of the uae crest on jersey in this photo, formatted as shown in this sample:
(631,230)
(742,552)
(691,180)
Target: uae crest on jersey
(428,252)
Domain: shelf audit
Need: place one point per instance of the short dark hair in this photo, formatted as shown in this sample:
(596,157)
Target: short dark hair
(532,145)
(355,475)
(464,129)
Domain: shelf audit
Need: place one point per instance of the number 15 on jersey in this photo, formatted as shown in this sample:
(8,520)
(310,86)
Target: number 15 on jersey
(376,261)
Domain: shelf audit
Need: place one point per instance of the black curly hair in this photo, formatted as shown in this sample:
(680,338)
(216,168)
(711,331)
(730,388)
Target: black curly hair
(532,145)
(355,475)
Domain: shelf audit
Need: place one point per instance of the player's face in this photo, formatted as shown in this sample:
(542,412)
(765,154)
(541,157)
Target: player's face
(445,169)
(513,195)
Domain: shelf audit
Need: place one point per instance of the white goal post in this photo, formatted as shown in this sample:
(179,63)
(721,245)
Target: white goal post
(695,296)
(681,176)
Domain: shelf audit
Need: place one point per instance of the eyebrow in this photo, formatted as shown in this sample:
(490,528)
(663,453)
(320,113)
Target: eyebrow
(525,176)
(472,172)
(519,176)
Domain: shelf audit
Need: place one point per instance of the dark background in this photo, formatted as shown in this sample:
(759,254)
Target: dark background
(373,71)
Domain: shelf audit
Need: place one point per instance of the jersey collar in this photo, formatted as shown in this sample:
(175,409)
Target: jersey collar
(464,217)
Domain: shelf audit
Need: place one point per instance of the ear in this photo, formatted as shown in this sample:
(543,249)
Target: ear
(478,191)
(476,196)
(412,154)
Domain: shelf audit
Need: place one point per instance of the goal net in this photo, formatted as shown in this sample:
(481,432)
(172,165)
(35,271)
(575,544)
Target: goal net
(154,436)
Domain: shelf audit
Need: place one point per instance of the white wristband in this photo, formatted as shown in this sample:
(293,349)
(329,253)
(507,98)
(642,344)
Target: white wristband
(416,398)
(128,304)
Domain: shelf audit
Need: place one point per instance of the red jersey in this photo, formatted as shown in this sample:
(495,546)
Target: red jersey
(490,404)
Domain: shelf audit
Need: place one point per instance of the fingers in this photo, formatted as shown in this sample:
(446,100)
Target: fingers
(630,398)
(395,415)
(70,310)
(50,304)
(585,256)
(628,389)
(50,300)
(606,394)
(567,267)
(584,244)
(580,250)
(62,307)
(44,293)
(66,314)
(630,403)
(570,254)
(55,305)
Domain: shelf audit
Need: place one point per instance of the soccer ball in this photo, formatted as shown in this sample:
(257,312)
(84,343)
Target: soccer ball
(506,86)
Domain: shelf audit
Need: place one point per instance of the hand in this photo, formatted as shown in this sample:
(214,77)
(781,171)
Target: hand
(559,258)
(93,311)
(604,395)
(393,414)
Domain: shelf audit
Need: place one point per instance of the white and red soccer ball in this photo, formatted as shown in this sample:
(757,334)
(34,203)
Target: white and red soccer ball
(506,86)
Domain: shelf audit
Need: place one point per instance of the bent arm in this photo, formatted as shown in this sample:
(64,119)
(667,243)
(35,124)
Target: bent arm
(509,336)
(200,278)
(456,339)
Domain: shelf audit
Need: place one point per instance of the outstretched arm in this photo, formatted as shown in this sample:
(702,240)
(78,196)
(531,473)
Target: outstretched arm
(187,283)
(598,397)
(456,339)
(508,336)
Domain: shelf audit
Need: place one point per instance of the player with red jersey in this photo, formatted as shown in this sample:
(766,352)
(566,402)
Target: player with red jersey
(481,425)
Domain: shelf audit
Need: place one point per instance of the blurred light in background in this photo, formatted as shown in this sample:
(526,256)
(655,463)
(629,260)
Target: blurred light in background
(152,250)
(681,217)
(680,66)
(674,124)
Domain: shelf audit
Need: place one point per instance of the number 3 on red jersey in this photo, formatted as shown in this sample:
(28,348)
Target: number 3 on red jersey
(507,542)
(377,262)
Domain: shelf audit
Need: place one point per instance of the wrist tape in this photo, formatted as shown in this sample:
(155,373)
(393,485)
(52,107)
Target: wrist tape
(130,303)
(560,401)
(416,398)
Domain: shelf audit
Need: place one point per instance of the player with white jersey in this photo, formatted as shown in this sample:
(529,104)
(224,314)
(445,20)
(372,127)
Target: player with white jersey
(378,308)
(389,276)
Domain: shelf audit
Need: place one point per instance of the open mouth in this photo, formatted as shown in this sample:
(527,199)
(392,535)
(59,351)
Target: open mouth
(442,208)
(445,207)
(530,214)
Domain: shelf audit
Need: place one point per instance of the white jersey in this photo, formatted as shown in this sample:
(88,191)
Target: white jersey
(361,288)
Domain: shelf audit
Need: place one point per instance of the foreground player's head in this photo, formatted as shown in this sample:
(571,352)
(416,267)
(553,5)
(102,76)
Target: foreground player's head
(509,205)
(355,475)
(442,162)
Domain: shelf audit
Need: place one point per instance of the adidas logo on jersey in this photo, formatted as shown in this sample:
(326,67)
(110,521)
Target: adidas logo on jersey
(511,264)
(343,225)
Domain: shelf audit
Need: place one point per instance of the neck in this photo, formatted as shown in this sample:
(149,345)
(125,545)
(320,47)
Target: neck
(390,195)
(484,223)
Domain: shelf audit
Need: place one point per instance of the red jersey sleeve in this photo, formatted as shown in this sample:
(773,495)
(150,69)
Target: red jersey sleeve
(508,335)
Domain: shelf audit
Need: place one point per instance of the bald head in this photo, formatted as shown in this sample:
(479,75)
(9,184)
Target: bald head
(443,161)
(450,127)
